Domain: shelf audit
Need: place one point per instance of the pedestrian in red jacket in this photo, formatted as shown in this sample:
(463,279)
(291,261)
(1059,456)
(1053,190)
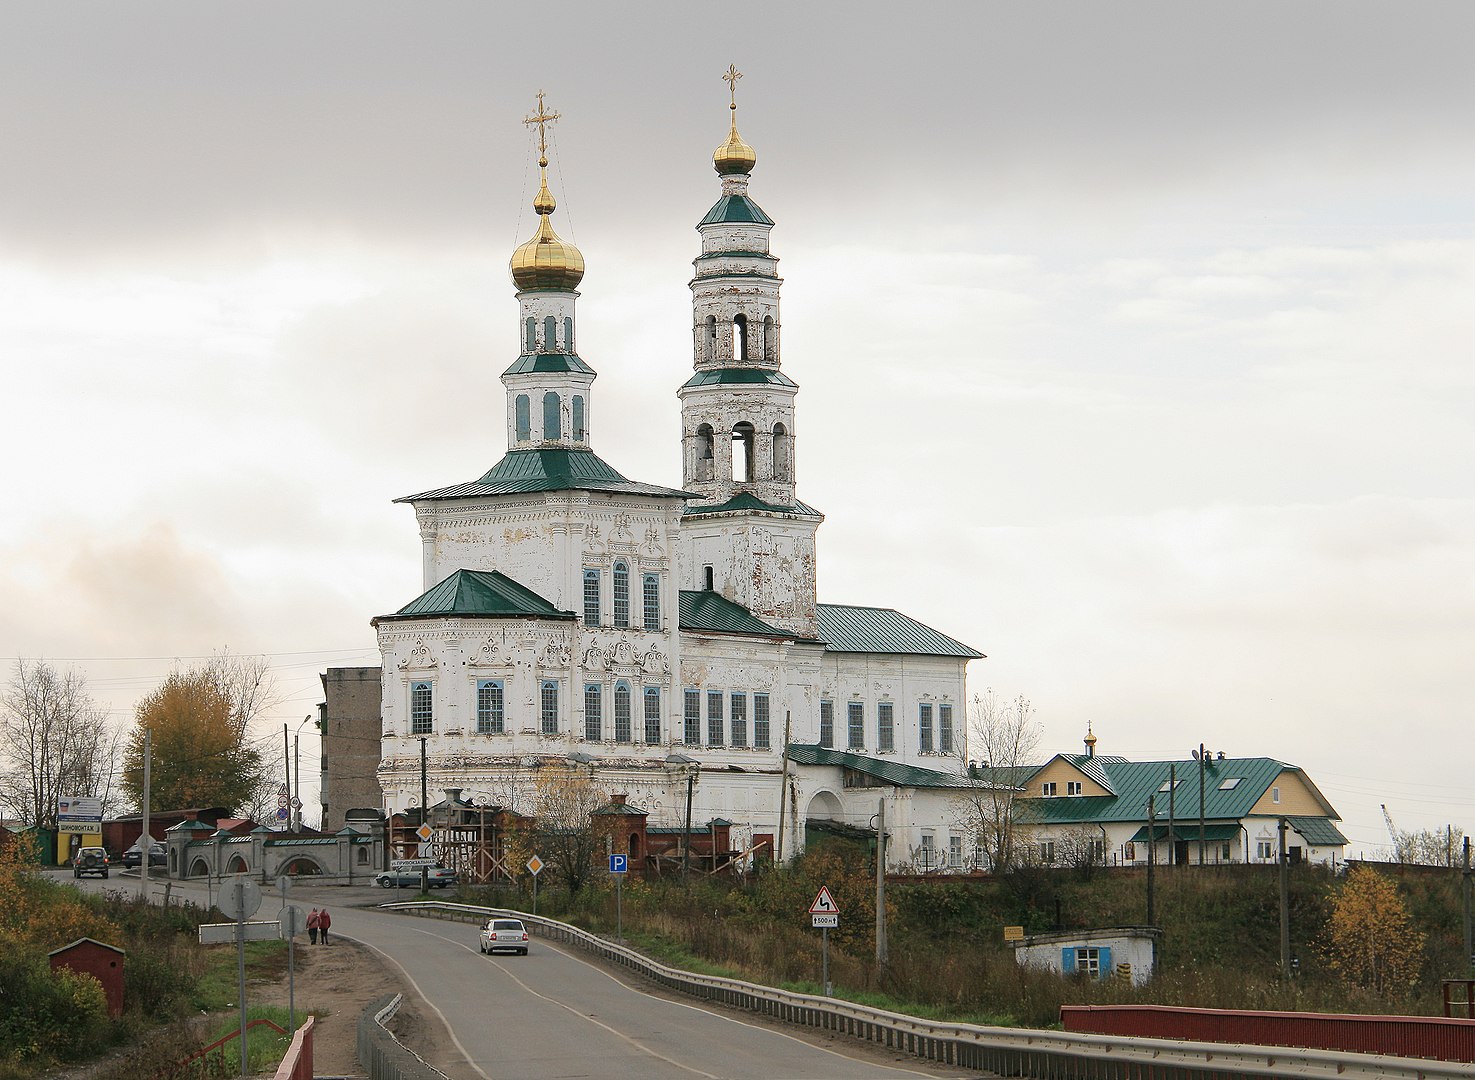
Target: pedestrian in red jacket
(324,921)
(312,926)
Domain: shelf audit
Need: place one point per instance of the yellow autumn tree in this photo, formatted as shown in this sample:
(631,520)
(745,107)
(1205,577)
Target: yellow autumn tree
(1371,941)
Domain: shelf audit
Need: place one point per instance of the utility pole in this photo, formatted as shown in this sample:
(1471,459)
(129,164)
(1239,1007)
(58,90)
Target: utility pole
(146,841)
(1203,763)
(1151,843)
(881,885)
(297,771)
(287,762)
(1172,814)
(691,779)
(1469,940)
(783,794)
(425,820)
(1285,903)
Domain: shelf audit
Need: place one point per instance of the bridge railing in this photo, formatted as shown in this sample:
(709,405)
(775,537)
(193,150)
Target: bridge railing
(1056,1055)
(383,1056)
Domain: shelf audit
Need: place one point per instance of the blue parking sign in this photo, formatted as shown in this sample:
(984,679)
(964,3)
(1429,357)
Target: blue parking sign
(617,864)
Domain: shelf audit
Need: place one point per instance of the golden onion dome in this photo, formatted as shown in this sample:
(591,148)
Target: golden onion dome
(546,261)
(734,156)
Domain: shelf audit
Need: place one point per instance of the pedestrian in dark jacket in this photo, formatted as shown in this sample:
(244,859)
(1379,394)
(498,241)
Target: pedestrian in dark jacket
(312,926)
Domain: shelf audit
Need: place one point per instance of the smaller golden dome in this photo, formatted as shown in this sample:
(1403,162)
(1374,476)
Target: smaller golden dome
(546,261)
(734,156)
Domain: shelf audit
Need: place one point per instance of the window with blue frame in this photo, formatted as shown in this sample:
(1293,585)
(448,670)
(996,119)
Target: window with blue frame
(691,717)
(1093,962)
(945,728)
(924,728)
(739,716)
(550,416)
(885,727)
(591,597)
(760,722)
(524,412)
(714,718)
(855,720)
(827,723)
(593,712)
(652,715)
(579,434)
(622,593)
(623,732)
(490,718)
(652,601)
(422,707)
(548,705)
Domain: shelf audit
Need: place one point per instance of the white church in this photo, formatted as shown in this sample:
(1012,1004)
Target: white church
(668,640)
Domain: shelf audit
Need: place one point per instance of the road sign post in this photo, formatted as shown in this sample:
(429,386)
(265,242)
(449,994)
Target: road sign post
(239,900)
(824,913)
(535,864)
(618,865)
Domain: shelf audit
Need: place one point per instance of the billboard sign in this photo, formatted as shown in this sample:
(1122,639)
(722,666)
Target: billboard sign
(78,815)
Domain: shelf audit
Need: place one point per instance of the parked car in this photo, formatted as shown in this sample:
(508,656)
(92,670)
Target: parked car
(158,855)
(438,877)
(504,935)
(90,860)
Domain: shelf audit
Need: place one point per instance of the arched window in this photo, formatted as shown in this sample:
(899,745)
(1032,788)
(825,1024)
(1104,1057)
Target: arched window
(622,593)
(568,335)
(710,348)
(524,418)
(550,416)
(740,338)
(550,334)
(742,452)
(782,462)
(532,335)
(622,712)
(705,442)
(770,339)
(651,601)
(578,424)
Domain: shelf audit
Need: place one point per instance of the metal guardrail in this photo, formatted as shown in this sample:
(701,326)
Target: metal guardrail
(382,1055)
(1051,1055)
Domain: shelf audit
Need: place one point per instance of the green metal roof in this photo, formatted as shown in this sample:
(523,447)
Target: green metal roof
(480,592)
(748,501)
(530,363)
(735,209)
(893,772)
(1136,781)
(522,471)
(732,376)
(1319,832)
(844,628)
(713,612)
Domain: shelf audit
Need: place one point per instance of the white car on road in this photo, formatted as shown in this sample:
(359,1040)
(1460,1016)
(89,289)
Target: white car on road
(504,935)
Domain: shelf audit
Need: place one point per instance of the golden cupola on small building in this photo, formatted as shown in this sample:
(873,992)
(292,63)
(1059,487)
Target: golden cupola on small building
(547,261)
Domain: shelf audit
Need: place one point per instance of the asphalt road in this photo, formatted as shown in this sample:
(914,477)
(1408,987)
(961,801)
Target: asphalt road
(554,1014)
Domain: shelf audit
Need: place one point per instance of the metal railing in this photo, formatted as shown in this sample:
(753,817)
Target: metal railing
(382,1055)
(1053,1055)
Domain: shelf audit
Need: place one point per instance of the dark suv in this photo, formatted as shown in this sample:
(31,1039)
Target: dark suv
(90,860)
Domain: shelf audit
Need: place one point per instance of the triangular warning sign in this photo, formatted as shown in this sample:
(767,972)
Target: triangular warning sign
(824,903)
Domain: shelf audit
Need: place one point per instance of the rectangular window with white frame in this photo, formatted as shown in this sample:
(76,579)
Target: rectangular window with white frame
(827,724)
(1088,962)
(651,601)
(652,715)
(422,707)
(739,719)
(491,716)
(924,728)
(1072,787)
(623,732)
(944,728)
(1264,850)
(955,852)
(716,721)
(591,597)
(927,854)
(691,717)
(593,712)
(1047,852)
(548,706)
(1048,788)
(761,734)
(885,727)
(855,722)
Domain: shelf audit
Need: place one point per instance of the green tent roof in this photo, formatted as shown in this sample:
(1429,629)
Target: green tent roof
(844,628)
(747,501)
(479,592)
(522,471)
(736,210)
(739,376)
(530,363)
(713,612)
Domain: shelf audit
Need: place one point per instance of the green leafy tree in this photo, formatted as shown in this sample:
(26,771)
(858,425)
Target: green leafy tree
(201,757)
(1371,941)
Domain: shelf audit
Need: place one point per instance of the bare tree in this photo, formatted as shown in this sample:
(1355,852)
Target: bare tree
(55,741)
(564,832)
(1003,736)
(1429,847)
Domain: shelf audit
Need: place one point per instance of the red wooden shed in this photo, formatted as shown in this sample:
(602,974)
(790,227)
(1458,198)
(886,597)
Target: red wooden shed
(102,962)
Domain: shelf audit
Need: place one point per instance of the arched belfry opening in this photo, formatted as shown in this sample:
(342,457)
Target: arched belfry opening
(770,339)
(706,452)
(783,451)
(740,338)
(709,346)
(742,452)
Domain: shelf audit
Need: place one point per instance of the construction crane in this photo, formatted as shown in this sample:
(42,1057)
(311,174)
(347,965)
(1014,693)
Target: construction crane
(1392,830)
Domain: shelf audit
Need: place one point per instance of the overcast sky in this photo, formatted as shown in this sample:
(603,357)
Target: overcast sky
(1134,339)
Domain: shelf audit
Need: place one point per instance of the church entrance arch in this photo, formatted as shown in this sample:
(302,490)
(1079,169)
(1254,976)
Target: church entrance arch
(237,865)
(302,866)
(199,868)
(824,806)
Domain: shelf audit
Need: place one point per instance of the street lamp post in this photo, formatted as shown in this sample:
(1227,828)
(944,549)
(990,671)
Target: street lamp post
(295,817)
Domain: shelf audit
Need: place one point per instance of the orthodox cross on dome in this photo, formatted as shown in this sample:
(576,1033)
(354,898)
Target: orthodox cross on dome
(731,78)
(542,118)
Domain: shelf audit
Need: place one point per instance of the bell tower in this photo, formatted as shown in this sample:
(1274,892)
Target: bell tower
(749,537)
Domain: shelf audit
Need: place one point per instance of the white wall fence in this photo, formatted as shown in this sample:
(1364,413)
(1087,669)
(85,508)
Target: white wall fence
(1049,1055)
